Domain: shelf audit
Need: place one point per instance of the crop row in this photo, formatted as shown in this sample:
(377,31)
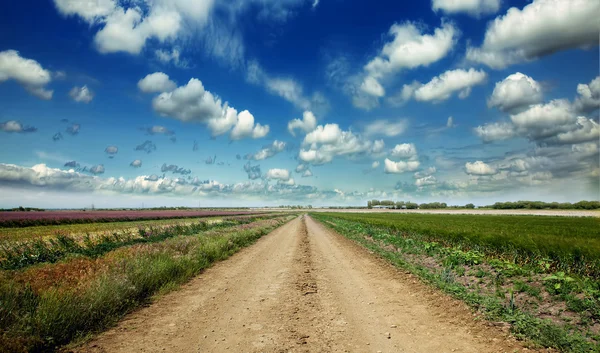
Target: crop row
(28,219)
(566,244)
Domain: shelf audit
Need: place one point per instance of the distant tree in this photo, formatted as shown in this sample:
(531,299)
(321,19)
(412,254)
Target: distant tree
(469,205)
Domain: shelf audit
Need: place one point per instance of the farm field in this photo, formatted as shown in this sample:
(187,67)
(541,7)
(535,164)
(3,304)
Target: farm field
(27,219)
(62,287)
(539,275)
(484,211)
(312,282)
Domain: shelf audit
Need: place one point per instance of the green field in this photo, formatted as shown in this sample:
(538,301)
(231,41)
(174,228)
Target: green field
(569,244)
(538,274)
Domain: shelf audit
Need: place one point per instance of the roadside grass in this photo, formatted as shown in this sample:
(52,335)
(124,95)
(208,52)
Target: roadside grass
(90,294)
(551,309)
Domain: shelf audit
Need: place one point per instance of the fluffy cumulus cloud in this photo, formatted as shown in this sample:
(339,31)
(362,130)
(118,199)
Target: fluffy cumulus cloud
(326,142)
(375,165)
(27,72)
(386,127)
(125,27)
(192,103)
(81,94)
(442,87)
(156,82)
(16,127)
(306,124)
(391,167)
(278,174)
(557,122)
(541,28)
(245,127)
(475,8)
(136,163)
(479,168)
(267,151)
(588,99)
(515,93)
(404,151)
(409,48)
(497,131)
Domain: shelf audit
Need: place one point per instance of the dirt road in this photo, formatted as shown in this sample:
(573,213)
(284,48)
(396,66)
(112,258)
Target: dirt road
(303,288)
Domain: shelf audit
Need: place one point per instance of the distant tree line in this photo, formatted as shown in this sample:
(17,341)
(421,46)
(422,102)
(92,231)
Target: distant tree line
(295,207)
(539,205)
(532,205)
(22,209)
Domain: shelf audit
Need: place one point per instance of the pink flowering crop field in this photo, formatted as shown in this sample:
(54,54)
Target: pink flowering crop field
(28,219)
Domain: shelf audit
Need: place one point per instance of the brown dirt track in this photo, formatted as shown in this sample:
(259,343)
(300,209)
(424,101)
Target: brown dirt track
(303,288)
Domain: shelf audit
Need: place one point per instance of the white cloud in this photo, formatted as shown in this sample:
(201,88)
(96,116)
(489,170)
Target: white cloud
(156,82)
(375,165)
(324,143)
(372,87)
(586,130)
(389,128)
(495,131)
(136,163)
(516,93)
(545,120)
(90,10)
(392,167)
(245,127)
(307,173)
(15,126)
(405,151)
(588,99)
(443,86)
(426,181)
(315,4)
(424,173)
(409,49)
(193,103)
(475,8)
(279,174)
(268,151)
(81,94)
(27,72)
(541,28)
(127,29)
(479,168)
(189,103)
(307,124)
(450,123)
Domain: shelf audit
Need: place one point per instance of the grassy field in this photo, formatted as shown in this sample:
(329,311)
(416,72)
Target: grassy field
(57,290)
(539,275)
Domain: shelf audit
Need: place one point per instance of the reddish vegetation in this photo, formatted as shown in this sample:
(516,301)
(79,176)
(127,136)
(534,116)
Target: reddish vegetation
(25,219)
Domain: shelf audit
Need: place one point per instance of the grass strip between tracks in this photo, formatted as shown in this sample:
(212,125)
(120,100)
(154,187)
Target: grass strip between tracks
(49,305)
(446,269)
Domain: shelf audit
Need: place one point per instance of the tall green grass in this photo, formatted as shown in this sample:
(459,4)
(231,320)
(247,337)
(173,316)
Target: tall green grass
(569,244)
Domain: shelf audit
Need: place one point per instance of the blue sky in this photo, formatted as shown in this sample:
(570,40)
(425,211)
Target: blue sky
(324,102)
